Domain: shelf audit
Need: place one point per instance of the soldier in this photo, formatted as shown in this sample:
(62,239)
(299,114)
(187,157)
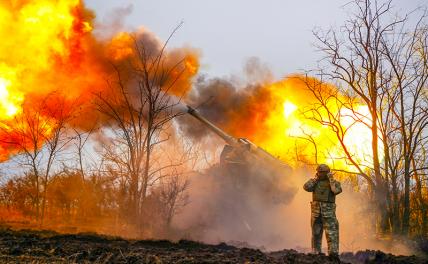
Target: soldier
(324,189)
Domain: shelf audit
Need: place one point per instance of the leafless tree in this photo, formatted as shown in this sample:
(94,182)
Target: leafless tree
(55,140)
(139,109)
(379,60)
(26,134)
(328,110)
(355,62)
(173,195)
(36,135)
(407,54)
(80,140)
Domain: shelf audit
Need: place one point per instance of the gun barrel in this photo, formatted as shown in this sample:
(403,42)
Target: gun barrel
(229,139)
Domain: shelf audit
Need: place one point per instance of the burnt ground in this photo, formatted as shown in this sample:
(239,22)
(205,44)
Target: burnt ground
(25,246)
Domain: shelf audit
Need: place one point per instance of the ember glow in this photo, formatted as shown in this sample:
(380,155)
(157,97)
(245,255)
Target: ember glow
(48,48)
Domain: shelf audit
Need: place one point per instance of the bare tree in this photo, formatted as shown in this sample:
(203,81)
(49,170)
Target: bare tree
(380,61)
(328,110)
(139,109)
(173,195)
(355,63)
(55,140)
(407,54)
(81,138)
(36,134)
(26,134)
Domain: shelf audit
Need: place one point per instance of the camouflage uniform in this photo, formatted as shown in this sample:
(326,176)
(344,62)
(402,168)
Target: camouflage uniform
(323,210)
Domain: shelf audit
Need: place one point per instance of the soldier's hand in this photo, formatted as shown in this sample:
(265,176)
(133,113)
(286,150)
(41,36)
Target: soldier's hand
(317,176)
(330,176)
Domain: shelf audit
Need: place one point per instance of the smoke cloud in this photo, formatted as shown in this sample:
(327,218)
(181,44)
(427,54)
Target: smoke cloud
(221,212)
(235,105)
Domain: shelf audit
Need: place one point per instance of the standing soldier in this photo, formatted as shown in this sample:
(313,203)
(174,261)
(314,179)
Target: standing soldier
(324,189)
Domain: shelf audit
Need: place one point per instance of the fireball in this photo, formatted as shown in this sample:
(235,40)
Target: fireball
(49,59)
(287,133)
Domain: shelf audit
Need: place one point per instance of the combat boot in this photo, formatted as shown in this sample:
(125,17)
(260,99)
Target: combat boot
(334,257)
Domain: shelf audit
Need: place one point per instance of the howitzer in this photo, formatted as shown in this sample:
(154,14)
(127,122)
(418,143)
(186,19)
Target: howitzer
(253,169)
(246,185)
(242,145)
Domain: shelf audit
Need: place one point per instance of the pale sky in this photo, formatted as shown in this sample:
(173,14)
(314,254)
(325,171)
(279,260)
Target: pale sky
(228,32)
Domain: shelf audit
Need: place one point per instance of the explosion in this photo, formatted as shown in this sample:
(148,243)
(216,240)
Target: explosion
(9,103)
(48,50)
(49,56)
(274,115)
(292,135)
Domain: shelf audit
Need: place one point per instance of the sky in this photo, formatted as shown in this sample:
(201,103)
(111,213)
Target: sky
(229,32)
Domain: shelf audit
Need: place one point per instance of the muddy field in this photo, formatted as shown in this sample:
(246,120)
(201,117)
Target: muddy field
(26,246)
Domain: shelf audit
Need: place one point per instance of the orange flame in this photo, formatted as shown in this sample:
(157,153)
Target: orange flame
(272,118)
(48,47)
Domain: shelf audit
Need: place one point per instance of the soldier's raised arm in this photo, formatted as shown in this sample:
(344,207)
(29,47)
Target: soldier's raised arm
(309,186)
(335,186)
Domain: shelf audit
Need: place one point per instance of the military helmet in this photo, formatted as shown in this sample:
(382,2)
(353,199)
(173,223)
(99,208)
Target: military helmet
(323,168)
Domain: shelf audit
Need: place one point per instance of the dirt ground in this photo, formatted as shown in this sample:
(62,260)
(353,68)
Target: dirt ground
(25,246)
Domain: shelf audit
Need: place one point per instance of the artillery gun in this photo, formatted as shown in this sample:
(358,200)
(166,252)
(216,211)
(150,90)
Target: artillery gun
(254,169)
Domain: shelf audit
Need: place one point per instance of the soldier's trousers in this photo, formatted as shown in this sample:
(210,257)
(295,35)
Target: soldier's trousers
(324,218)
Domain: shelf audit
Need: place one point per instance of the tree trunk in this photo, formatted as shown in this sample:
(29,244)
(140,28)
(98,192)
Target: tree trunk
(389,199)
(406,205)
(44,201)
(395,206)
(37,202)
(380,192)
(421,201)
